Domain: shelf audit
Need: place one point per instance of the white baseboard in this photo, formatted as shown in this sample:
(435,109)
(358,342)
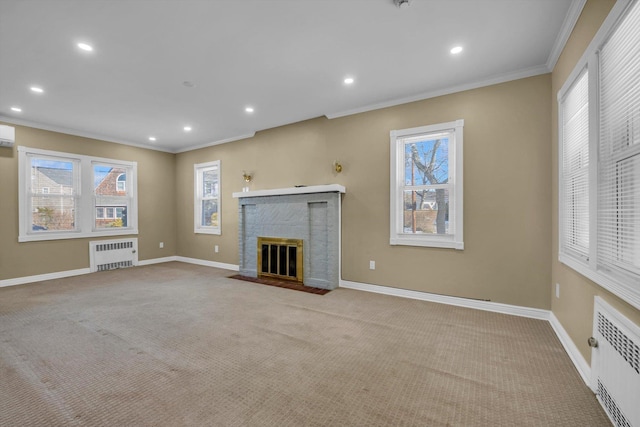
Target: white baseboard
(206,263)
(495,307)
(157,260)
(41,277)
(572,350)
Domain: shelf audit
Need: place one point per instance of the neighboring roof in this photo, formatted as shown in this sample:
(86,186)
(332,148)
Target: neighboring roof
(59,176)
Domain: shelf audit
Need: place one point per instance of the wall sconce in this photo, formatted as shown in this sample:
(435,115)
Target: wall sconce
(337,166)
(247,179)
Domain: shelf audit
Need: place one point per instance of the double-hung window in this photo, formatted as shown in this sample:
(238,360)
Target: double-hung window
(207,198)
(426,186)
(66,196)
(599,151)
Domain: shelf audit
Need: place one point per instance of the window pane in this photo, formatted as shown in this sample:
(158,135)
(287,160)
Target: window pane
(111,195)
(209,213)
(210,183)
(426,212)
(52,187)
(427,161)
(53,213)
(99,212)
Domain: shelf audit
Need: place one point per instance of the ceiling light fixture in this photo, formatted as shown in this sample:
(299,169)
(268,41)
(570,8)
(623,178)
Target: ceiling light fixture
(249,109)
(456,50)
(36,89)
(349,80)
(152,138)
(403,4)
(16,109)
(85,46)
(187,128)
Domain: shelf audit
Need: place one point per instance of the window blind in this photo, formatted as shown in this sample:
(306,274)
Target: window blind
(618,249)
(575,167)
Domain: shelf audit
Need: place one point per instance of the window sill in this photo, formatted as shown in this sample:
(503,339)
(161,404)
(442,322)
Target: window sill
(207,231)
(446,243)
(52,235)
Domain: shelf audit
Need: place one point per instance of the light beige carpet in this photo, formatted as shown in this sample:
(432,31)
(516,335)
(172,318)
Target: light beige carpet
(182,345)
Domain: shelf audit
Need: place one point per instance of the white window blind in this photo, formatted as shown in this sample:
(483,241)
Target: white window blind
(574,210)
(618,250)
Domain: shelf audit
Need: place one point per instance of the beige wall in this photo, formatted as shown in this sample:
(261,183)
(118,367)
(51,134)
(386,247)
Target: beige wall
(156,201)
(574,308)
(507,192)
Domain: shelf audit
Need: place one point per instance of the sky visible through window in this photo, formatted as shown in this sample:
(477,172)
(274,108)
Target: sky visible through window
(427,161)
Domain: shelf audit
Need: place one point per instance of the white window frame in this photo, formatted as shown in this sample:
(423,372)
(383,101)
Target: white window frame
(85,207)
(454,184)
(198,170)
(625,287)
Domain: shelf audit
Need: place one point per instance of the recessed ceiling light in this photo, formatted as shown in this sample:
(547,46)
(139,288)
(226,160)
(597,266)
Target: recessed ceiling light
(187,128)
(16,109)
(152,138)
(85,46)
(249,109)
(36,89)
(456,50)
(349,80)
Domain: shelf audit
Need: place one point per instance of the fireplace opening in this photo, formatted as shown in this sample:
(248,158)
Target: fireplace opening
(280,258)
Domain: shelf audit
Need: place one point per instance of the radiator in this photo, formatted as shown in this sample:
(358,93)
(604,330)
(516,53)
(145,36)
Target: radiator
(615,364)
(112,254)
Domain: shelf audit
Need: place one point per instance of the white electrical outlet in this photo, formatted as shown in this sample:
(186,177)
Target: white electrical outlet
(557,290)
(216,249)
(372,265)
(161,245)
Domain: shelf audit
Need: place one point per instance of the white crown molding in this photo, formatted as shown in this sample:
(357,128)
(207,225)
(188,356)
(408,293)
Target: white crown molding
(221,141)
(76,132)
(502,78)
(570,20)
(576,357)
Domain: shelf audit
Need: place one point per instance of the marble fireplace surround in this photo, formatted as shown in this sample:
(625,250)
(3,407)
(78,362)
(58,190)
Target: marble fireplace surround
(308,213)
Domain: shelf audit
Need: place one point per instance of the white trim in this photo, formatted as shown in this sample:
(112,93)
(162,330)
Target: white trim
(76,132)
(41,277)
(576,357)
(157,260)
(502,78)
(496,307)
(570,20)
(328,188)
(206,263)
(218,142)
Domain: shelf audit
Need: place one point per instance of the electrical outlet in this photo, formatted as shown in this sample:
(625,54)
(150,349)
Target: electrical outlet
(161,245)
(372,265)
(216,249)
(557,290)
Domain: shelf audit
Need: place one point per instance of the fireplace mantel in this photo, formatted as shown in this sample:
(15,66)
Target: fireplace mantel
(329,188)
(308,214)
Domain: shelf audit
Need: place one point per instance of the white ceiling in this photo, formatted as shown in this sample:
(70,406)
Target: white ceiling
(285,58)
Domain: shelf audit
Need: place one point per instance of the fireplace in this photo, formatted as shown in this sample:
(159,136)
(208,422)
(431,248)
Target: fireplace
(275,225)
(281,258)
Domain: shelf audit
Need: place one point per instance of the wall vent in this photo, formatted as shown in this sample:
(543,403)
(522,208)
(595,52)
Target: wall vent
(113,254)
(616,365)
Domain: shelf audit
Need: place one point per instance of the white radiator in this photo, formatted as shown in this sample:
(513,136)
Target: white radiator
(112,254)
(615,365)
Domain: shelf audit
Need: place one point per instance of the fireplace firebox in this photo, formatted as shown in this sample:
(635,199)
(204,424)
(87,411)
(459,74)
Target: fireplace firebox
(281,258)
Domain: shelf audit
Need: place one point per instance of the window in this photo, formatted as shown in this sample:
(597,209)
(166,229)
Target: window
(121,182)
(207,198)
(426,186)
(599,199)
(69,209)
(574,188)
